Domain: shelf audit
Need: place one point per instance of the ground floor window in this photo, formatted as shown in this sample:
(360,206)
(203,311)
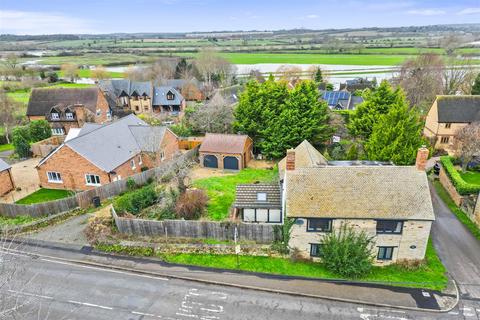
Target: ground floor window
(444,139)
(54,177)
(385,253)
(92,180)
(316,250)
(57,131)
(262,215)
(319,225)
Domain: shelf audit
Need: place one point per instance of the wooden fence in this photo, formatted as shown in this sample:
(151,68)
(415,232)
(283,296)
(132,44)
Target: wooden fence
(84,199)
(260,233)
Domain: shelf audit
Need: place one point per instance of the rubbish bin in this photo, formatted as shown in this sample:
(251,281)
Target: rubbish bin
(96,202)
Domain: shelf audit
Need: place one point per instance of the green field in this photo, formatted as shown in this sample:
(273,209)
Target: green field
(23,96)
(94,59)
(221,190)
(87,73)
(44,195)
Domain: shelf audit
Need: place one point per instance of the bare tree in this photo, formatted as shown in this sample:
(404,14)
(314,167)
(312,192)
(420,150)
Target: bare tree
(216,116)
(215,70)
(7,113)
(450,43)
(422,79)
(467,143)
(99,73)
(12,67)
(290,74)
(70,71)
(255,74)
(458,77)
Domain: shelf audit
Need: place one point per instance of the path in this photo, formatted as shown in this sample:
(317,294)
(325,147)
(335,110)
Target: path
(69,231)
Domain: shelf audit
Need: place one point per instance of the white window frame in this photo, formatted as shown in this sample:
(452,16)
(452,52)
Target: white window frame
(54,177)
(140,161)
(109,115)
(69,116)
(55,116)
(57,132)
(89,177)
(132,164)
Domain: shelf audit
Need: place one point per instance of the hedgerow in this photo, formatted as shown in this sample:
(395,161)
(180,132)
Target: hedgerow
(461,185)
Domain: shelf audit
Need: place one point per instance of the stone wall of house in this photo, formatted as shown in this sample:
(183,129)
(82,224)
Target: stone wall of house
(410,245)
(141,105)
(448,185)
(6,182)
(476,211)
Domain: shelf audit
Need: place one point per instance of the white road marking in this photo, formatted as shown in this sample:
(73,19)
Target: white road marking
(104,269)
(376,310)
(14,254)
(90,305)
(453,313)
(145,314)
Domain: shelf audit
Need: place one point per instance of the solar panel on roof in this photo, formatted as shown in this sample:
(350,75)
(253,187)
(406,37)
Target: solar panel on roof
(332,97)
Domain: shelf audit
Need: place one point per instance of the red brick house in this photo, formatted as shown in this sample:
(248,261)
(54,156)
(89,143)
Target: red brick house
(66,108)
(6,179)
(226,151)
(100,154)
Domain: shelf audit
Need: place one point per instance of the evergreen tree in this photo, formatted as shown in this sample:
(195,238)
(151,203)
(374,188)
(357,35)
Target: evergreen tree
(39,130)
(396,136)
(476,85)
(21,141)
(318,77)
(376,104)
(352,153)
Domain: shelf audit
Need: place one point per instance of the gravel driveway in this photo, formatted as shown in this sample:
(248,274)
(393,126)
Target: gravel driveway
(25,176)
(69,231)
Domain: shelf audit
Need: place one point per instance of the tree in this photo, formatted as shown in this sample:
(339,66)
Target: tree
(215,116)
(467,143)
(7,113)
(476,85)
(215,70)
(39,130)
(99,73)
(376,103)
(21,141)
(396,136)
(52,77)
(458,77)
(289,73)
(184,69)
(422,79)
(70,71)
(346,252)
(316,74)
(352,153)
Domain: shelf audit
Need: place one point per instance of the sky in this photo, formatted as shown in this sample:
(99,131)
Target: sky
(110,16)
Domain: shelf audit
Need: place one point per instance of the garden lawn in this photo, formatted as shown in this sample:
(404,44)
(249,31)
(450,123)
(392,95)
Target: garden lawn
(44,195)
(6,147)
(431,276)
(6,221)
(221,190)
(462,216)
(471,176)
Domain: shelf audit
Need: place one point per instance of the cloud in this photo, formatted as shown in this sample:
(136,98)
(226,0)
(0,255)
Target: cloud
(312,16)
(469,11)
(30,22)
(426,12)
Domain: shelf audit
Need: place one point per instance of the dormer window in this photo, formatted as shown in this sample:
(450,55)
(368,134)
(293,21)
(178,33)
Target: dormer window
(145,96)
(170,95)
(55,116)
(261,196)
(69,115)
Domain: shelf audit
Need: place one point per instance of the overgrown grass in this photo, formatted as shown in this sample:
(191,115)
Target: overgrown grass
(431,275)
(471,177)
(6,147)
(462,216)
(221,190)
(44,195)
(6,221)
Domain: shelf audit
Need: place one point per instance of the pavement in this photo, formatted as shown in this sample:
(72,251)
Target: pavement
(459,251)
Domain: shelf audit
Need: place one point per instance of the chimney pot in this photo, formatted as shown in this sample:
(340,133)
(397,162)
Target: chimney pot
(422,158)
(290,160)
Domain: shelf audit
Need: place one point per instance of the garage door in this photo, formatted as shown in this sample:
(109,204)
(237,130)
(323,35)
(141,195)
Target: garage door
(230,163)
(210,161)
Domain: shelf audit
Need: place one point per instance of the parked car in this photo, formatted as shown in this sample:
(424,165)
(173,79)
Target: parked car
(436,168)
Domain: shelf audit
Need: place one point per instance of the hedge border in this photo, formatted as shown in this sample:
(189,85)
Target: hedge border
(463,187)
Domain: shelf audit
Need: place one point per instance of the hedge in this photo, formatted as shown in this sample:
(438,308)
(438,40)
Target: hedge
(463,187)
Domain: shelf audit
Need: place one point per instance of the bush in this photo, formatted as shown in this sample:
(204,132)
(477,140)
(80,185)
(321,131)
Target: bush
(463,187)
(131,185)
(348,253)
(39,130)
(21,141)
(134,201)
(191,204)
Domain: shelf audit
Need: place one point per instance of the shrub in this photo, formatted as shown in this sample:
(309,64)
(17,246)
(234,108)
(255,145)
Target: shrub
(191,204)
(134,201)
(463,187)
(21,141)
(39,130)
(348,253)
(131,185)
(98,229)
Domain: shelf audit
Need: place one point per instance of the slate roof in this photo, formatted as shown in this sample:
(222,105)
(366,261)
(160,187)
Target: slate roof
(42,100)
(458,109)
(306,156)
(160,96)
(246,196)
(148,138)
(359,192)
(3,165)
(223,143)
(110,145)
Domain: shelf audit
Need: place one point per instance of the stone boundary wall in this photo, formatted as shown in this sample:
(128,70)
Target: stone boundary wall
(448,185)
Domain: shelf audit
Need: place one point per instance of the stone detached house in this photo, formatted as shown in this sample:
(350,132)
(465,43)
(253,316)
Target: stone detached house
(66,108)
(144,97)
(6,179)
(446,116)
(226,151)
(259,202)
(390,203)
(99,154)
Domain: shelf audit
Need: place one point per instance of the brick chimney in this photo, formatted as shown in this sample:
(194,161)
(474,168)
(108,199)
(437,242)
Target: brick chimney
(290,159)
(422,157)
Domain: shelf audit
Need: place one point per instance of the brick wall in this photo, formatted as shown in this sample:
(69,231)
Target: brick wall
(102,104)
(415,233)
(6,182)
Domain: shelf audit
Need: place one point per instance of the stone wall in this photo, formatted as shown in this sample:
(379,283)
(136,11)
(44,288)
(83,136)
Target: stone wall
(448,185)
(411,244)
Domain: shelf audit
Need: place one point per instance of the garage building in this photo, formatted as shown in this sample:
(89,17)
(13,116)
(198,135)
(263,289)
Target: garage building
(226,151)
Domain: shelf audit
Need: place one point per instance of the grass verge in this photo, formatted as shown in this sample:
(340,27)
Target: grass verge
(15,221)
(221,190)
(44,195)
(462,216)
(6,147)
(431,275)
